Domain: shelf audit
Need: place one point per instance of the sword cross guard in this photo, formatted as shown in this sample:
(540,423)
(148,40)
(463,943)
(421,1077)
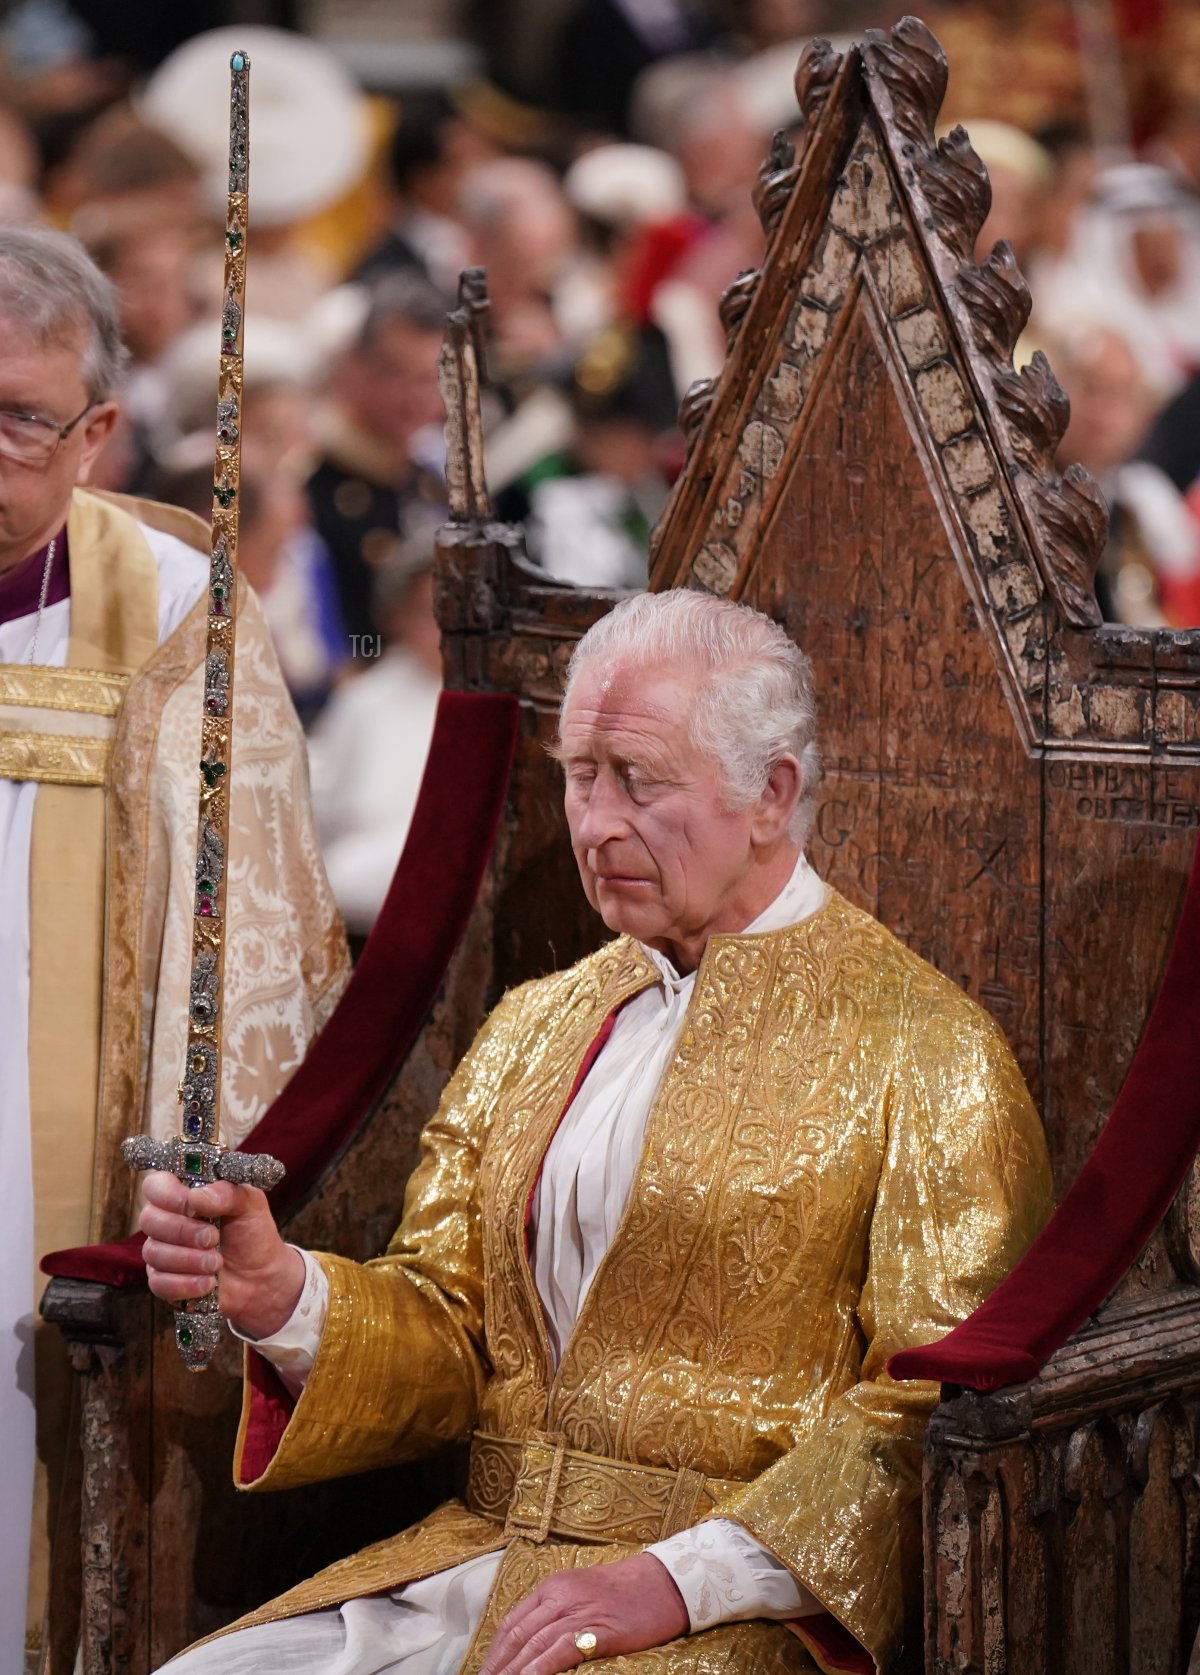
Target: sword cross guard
(198,1163)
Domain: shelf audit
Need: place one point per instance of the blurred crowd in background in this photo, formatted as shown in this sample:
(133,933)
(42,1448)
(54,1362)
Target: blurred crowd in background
(597,158)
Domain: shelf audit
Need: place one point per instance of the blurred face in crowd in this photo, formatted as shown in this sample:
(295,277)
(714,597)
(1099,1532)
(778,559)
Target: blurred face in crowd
(280,510)
(1013,215)
(1062,200)
(279,418)
(151,273)
(435,185)
(770,23)
(1156,244)
(1110,401)
(660,855)
(720,152)
(390,386)
(411,623)
(47,381)
(624,448)
(18,167)
(1181,136)
(526,249)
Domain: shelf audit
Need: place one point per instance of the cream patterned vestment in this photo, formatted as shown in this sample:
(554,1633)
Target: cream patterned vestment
(286,962)
(104,751)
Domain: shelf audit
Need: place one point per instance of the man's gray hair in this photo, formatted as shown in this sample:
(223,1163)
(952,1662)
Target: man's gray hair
(407,297)
(755,703)
(50,286)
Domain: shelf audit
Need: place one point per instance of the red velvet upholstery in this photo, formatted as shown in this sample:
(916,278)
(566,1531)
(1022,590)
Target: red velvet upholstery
(1117,1200)
(833,1647)
(397,978)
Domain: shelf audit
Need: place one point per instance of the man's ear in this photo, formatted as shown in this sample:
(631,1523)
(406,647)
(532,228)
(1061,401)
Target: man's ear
(777,801)
(97,429)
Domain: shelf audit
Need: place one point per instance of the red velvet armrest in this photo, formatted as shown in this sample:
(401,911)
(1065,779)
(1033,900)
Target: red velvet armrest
(397,978)
(1117,1200)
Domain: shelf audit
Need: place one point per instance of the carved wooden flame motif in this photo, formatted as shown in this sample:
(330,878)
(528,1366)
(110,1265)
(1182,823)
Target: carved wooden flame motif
(864,208)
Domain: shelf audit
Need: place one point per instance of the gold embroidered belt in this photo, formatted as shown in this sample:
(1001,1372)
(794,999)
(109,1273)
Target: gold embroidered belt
(541,1488)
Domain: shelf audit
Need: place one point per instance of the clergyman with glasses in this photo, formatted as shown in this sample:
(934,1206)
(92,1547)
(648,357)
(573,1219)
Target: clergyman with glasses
(102,631)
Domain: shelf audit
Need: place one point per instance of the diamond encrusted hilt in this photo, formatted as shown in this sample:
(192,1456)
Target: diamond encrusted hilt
(198,1163)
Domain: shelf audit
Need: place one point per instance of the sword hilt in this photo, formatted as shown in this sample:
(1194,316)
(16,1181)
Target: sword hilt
(197,1163)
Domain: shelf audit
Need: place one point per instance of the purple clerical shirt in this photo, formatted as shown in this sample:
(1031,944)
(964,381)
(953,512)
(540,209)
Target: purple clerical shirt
(21,587)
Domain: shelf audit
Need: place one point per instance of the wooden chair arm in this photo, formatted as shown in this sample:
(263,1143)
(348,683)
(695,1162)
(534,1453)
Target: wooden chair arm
(1064,1513)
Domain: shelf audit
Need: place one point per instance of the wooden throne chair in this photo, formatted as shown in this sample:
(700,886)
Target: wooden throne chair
(1011,786)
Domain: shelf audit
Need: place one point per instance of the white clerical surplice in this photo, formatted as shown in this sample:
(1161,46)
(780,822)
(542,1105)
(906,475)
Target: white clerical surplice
(181,581)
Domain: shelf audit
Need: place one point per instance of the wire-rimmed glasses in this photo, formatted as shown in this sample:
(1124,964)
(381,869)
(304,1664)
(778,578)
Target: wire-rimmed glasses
(31,439)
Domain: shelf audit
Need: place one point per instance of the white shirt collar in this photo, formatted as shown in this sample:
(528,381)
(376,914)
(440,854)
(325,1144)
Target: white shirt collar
(803,895)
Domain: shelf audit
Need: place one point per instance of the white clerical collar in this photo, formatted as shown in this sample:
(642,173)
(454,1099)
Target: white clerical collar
(803,895)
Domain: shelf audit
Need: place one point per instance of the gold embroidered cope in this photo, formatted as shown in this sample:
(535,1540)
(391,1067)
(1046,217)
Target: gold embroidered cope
(842,1160)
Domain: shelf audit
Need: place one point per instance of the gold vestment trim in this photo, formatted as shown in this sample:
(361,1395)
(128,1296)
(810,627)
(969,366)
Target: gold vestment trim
(54,758)
(81,691)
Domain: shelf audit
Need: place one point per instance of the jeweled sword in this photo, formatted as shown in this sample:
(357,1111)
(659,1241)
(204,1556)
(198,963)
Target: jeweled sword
(196,1155)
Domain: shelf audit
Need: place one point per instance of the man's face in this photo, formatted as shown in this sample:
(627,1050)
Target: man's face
(152,275)
(391,388)
(46,380)
(659,855)
(1110,402)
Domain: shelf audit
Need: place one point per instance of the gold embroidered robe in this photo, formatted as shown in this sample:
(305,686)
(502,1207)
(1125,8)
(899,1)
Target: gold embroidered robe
(841,1161)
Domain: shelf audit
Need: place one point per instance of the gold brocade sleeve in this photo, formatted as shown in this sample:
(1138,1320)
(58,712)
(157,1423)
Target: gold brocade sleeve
(401,1365)
(963,1189)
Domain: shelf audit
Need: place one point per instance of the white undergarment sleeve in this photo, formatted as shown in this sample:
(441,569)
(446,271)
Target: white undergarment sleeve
(293,1349)
(725,1576)
(182,575)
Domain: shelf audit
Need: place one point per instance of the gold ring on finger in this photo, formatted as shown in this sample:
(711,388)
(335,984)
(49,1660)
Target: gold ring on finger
(585,1644)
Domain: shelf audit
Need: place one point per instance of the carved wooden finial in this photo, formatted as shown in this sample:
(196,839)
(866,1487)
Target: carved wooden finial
(906,75)
(461,376)
(735,301)
(912,66)
(957,190)
(897,206)
(815,75)
(998,300)
(776,179)
(474,300)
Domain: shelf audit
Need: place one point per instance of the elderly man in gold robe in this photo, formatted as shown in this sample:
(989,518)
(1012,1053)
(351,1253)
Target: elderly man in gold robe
(677,1208)
(102,631)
